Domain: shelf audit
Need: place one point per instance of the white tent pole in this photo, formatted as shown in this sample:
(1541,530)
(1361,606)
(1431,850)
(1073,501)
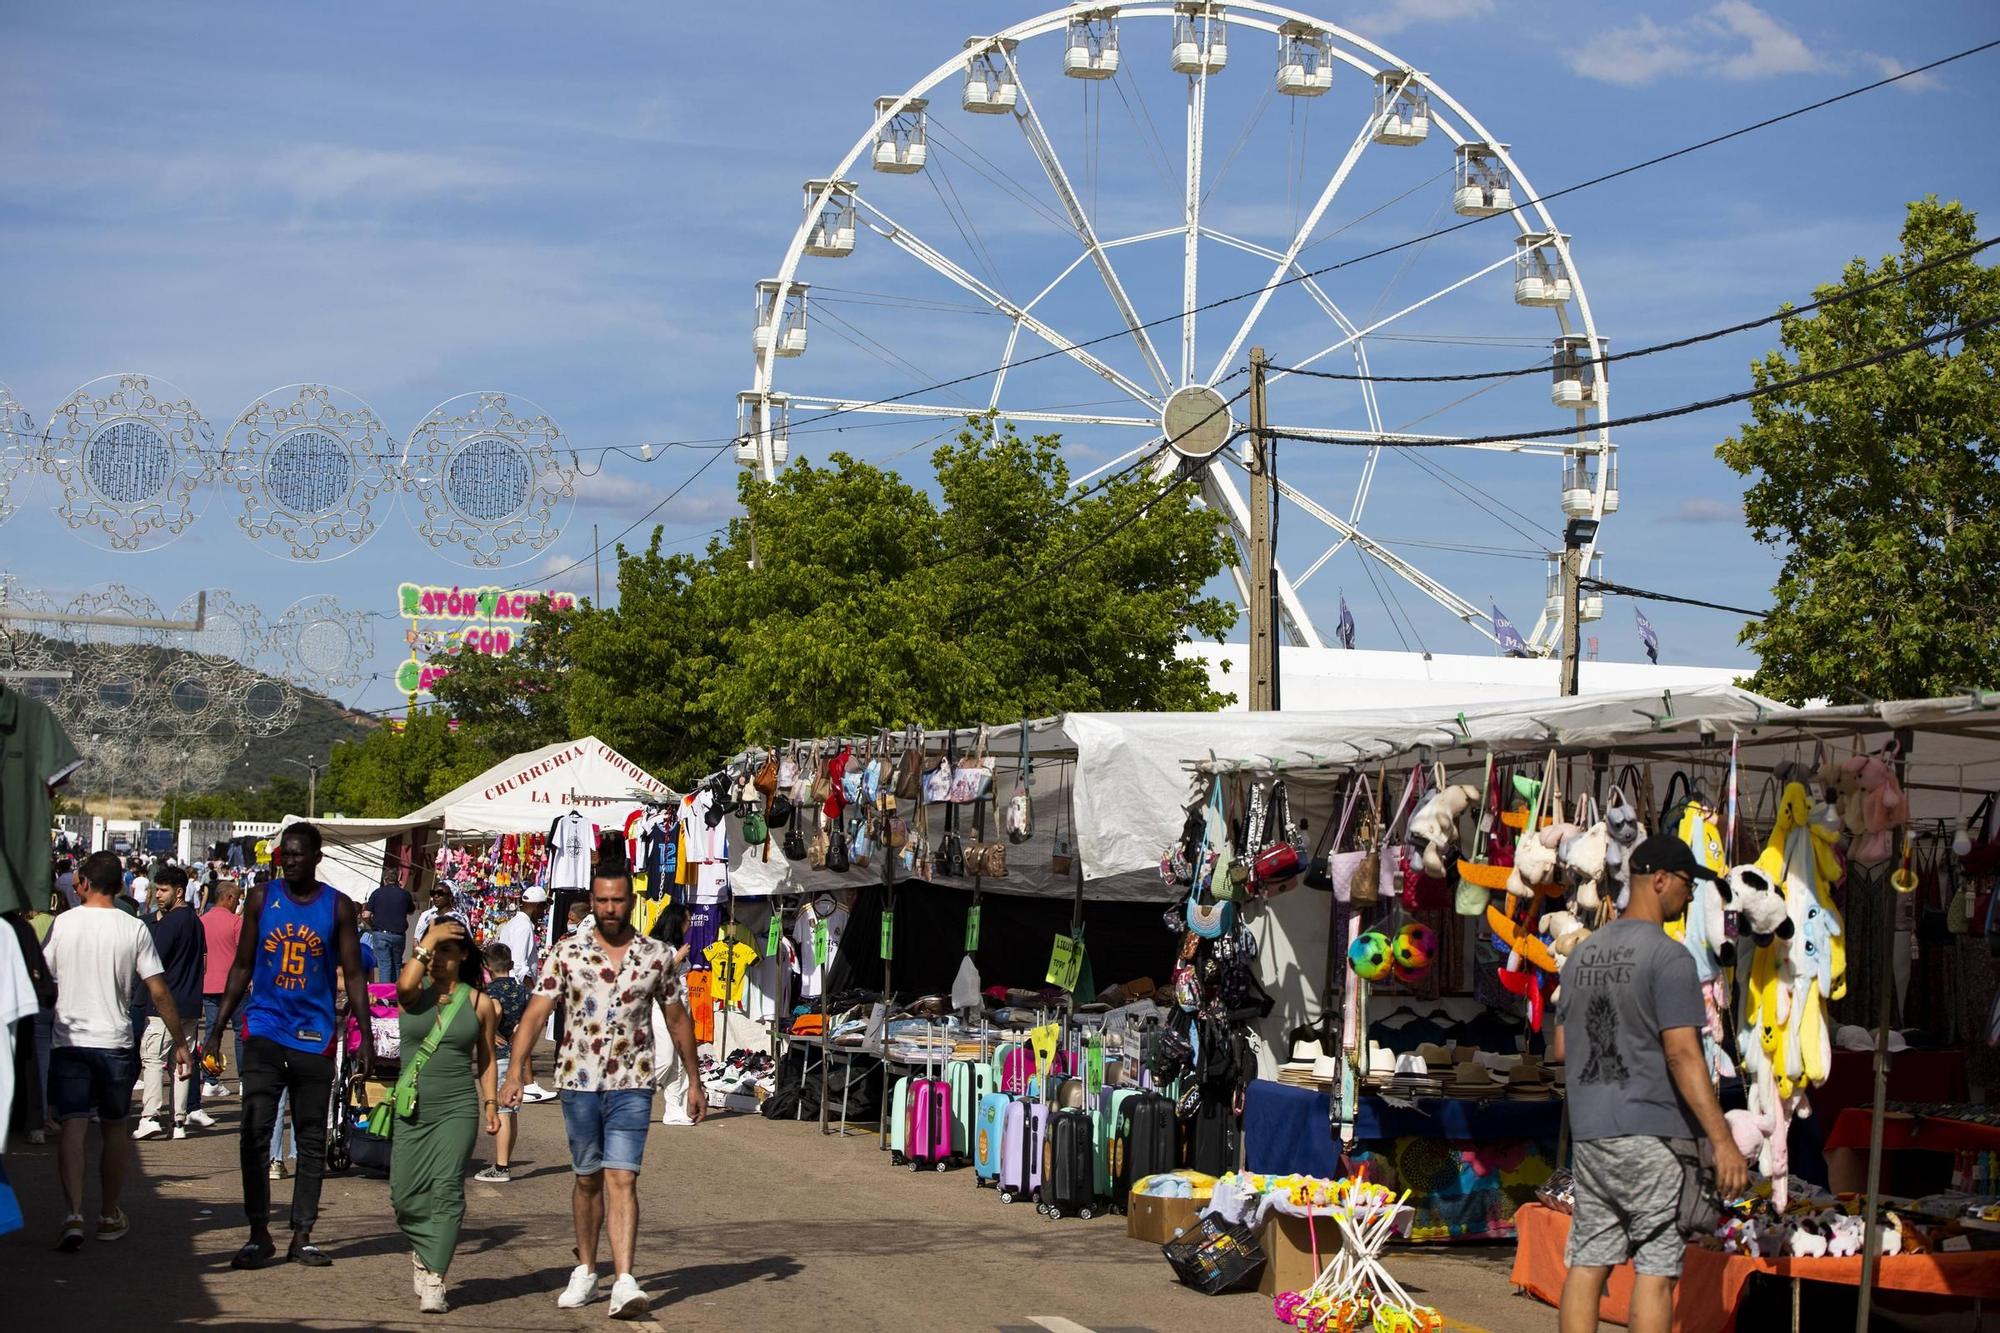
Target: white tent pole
(1871,1238)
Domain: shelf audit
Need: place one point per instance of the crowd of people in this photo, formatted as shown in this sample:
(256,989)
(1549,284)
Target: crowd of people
(146,972)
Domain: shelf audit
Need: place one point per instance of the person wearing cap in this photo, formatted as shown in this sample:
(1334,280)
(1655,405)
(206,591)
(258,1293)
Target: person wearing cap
(522,932)
(1629,1016)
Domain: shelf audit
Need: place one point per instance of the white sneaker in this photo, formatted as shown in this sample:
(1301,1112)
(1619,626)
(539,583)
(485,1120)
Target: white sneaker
(628,1301)
(430,1289)
(147,1128)
(201,1119)
(213,1090)
(535,1092)
(180,1129)
(581,1291)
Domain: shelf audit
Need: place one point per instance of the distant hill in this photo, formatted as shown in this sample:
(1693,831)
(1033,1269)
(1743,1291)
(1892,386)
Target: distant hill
(321,720)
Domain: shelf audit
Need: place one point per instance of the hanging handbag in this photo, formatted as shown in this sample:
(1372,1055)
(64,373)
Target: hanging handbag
(756,831)
(788,770)
(1021,810)
(822,847)
(837,856)
(937,783)
(1283,856)
(795,840)
(766,780)
(823,777)
(1360,871)
(973,779)
(1470,897)
(780,813)
(1319,874)
(910,772)
(402,1101)
(862,845)
(1208,914)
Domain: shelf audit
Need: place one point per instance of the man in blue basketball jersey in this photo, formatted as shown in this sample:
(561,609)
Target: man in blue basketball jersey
(296,932)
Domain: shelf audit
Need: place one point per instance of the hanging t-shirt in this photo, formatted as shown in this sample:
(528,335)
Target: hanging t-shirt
(17,1001)
(98,956)
(35,754)
(812,976)
(570,839)
(711,882)
(764,997)
(730,961)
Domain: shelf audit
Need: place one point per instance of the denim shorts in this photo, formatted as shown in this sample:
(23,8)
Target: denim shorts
(607,1129)
(85,1080)
(500,1065)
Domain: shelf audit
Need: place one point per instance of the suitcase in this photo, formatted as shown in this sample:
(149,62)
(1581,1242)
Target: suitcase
(1012,1065)
(986,1137)
(1214,1135)
(1104,1118)
(1143,1143)
(1021,1150)
(927,1141)
(899,1120)
(1069,1166)
(969,1083)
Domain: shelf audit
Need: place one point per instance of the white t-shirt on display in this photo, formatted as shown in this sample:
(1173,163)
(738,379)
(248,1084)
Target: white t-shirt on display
(17,1001)
(98,955)
(570,841)
(811,977)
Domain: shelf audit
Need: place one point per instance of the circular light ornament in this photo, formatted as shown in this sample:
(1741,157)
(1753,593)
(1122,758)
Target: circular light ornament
(130,456)
(264,707)
(192,697)
(17,454)
(128,647)
(323,645)
(315,468)
(492,477)
(232,630)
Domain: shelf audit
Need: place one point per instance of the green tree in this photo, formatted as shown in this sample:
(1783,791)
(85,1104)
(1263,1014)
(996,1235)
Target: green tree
(868,602)
(271,801)
(1881,486)
(392,772)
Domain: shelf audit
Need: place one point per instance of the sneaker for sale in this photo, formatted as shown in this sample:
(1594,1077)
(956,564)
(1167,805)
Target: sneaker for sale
(201,1119)
(495,1175)
(628,1301)
(581,1291)
(147,1128)
(114,1226)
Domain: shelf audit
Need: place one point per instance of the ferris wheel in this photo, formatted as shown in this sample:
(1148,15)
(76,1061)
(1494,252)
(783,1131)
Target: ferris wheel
(1080,271)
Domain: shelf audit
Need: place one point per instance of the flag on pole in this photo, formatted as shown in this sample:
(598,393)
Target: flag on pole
(1511,642)
(1346,627)
(1648,636)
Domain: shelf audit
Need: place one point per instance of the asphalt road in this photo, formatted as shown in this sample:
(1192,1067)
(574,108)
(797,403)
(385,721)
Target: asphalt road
(745,1224)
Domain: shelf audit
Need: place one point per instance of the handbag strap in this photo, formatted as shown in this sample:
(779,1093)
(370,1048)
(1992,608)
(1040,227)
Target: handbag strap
(446,1012)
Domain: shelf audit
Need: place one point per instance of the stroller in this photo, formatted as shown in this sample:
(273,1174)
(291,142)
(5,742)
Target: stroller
(349,1145)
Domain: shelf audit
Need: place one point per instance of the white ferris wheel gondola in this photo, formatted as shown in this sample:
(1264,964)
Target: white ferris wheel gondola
(1153,377)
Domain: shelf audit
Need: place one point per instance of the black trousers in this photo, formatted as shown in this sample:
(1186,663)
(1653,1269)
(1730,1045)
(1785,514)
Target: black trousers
(268,1068)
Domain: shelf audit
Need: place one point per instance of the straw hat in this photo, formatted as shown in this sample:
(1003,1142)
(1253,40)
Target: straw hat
(1436,1056)
(1468,1078)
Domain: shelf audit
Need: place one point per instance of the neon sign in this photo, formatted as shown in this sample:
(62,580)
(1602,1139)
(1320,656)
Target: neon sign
(477,620)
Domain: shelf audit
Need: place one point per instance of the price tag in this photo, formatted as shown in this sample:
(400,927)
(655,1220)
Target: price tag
(772,936)
(888,935)
(972,928)
(819,941)
(1043,1041)
(1065,962)
(1093,1066)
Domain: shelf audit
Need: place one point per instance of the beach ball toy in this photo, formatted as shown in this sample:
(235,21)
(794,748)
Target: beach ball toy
(1414,947)
(1369,956)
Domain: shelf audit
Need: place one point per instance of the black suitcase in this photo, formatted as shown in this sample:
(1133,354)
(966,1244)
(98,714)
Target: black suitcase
(1143,1144)
(1069,1166)
(1215,1132)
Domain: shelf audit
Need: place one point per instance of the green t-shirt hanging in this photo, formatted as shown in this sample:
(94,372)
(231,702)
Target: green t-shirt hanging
(35,753)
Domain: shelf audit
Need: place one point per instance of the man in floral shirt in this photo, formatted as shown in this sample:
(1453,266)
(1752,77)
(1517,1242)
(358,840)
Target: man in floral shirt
(607,978)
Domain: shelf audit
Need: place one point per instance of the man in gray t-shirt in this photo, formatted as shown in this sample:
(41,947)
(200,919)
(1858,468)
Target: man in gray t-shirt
(1629,1016)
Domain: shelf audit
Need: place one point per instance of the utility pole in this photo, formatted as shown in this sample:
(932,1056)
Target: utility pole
(1576,537)
(1263,644)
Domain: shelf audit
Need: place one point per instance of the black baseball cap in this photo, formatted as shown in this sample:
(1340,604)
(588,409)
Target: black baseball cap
(1664,852)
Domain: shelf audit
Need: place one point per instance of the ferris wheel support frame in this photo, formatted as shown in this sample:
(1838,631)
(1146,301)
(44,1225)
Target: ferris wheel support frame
(1217,488)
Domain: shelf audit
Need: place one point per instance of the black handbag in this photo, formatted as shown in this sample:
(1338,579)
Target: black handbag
(779,813)
(836,849)
(795,841)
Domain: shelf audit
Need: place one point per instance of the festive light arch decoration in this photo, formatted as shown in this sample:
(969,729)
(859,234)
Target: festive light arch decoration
(491,475)
(314,468)
(131,458)
(17,454)
(323,645)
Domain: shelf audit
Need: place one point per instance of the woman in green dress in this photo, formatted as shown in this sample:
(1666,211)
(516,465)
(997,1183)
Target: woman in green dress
(455,1091)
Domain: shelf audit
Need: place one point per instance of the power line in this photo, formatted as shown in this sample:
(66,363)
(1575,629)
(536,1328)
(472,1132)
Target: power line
(1665,413)
(1677,344)
(1599,585)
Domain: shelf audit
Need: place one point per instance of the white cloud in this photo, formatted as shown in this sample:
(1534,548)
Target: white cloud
(1889,66)
(1733,40)
(1701,509)
(1409,13)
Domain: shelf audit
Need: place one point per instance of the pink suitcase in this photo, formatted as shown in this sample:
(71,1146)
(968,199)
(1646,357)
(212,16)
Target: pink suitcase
(927,1135)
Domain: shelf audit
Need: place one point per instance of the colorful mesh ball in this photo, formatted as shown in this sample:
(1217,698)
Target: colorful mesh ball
(1369,956)
(1414,947)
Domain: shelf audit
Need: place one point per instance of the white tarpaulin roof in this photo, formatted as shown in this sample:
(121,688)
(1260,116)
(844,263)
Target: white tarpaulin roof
(526,793)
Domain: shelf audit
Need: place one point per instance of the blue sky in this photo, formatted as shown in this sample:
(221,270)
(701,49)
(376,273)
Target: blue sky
(572,205)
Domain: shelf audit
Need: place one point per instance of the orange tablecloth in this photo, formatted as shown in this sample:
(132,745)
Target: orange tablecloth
(1712,1283)
(1937,1133)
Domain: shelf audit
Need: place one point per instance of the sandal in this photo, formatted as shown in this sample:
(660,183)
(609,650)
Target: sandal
(254,1254)
(309,1254)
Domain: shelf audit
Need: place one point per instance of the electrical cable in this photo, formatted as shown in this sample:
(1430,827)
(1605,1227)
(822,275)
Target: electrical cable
(1663,414)
(1599,585)
(1677,344)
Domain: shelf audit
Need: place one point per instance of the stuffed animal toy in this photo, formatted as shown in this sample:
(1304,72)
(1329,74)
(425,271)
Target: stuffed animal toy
(1708,929)
(1841,780)
(1760,905)
(1808,1240)
(1623,832)
(1749,1137)
(1534,867)
(1845,1235)
(1583,857)
(1563,932)
(1824,824)
(1434,827)
(1883,808)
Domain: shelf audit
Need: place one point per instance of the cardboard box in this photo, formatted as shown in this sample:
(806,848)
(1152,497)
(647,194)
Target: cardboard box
(1288,1252)
(1159,1220)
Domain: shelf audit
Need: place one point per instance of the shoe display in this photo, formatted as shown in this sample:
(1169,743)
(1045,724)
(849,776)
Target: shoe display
(581,1291)
(495,1175)
(628,1300)
(200,1119)
(147,1128)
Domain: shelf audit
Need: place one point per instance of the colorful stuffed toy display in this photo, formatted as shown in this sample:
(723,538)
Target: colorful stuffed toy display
(1434,827)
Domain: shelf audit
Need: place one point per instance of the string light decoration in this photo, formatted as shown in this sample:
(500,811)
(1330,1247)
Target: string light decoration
(491,476)
(131,458)
(314,468)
